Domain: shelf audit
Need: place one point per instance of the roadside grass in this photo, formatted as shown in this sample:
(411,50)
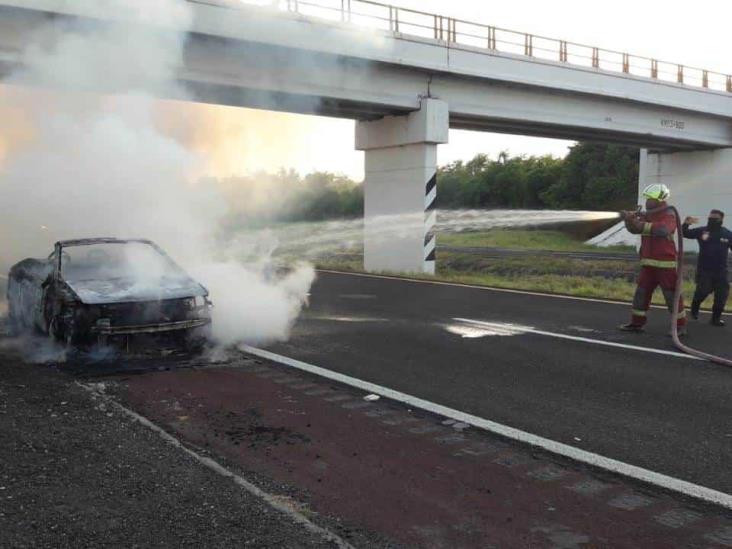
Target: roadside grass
(543,273)
(535,265)
(596,287)
(609,280)
(523,239)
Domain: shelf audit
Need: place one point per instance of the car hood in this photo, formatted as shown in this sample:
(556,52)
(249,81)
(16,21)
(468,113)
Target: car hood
(126,290)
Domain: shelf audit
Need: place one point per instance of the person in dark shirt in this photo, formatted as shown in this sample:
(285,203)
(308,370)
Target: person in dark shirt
(711,271)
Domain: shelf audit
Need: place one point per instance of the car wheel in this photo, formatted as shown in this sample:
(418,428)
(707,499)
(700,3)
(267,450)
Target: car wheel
(197,340)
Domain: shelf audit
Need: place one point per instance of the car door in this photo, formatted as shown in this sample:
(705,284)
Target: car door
(43,308)
(25,293)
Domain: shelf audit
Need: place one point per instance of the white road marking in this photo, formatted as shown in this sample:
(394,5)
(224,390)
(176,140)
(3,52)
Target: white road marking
(583,329)
(596,460)
(529,330)
(273,501)
(473,332)
(488,288)
(347,318)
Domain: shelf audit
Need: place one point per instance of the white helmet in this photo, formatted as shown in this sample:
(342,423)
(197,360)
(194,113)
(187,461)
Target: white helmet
(658,191)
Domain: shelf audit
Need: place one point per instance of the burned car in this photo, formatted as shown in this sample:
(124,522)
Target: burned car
(107,290)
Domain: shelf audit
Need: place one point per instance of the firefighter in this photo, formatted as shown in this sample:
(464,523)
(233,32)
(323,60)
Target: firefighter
(711,269)
(657,256)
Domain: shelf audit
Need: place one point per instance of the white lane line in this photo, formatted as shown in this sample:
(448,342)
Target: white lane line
(273,501)
(530,330)
(602,462)
(487,288)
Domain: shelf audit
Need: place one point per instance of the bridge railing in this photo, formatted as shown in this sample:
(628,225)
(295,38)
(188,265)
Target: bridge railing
(450,30)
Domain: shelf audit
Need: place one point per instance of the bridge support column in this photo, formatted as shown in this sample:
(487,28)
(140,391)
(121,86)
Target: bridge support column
(400,188)
(699,181)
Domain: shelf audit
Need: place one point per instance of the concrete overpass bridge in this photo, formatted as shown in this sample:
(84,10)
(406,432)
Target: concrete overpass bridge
(408,76)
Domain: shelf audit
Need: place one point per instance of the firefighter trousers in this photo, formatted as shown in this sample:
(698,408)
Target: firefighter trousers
(648,280)
(706,283)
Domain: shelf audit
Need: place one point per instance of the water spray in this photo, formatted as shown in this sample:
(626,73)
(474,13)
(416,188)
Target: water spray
(310,239)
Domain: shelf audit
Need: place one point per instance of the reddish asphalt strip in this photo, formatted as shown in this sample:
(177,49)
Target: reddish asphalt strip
(407,475)
(283,505)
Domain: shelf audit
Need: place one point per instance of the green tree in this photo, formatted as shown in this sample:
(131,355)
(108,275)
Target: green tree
(591,167)
(591,176)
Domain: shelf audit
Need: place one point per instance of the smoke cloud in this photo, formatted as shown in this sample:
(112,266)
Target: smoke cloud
(81,164)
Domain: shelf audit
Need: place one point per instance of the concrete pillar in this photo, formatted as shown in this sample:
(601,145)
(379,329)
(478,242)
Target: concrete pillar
(699,181)
(400,188)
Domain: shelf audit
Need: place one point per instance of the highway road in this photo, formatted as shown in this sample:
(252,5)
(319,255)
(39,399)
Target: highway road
(314,459)
(555,367)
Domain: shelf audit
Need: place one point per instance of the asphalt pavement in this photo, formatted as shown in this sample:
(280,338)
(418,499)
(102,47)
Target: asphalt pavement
(74,472)
(384,474)
(78,471)
(536,363)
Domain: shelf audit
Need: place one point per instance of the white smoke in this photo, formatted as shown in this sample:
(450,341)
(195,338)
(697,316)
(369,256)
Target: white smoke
(257,311)
(98,166)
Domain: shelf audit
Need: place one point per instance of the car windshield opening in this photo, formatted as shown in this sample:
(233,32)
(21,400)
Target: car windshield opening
(138,261)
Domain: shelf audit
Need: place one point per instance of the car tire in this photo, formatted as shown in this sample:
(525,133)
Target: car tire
(197,340)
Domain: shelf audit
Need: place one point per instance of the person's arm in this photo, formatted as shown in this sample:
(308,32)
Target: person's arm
(664,228)
(691,233)
(634,223)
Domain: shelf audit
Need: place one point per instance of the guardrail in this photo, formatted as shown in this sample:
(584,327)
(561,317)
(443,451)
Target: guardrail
(450,30)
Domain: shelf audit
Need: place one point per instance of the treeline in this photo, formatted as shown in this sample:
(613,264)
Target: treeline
(287,196)
(591,176)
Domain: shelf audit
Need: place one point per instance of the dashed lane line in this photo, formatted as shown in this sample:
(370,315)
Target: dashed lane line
(644,475)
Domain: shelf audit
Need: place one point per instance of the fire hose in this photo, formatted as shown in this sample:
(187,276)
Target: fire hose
(677,295)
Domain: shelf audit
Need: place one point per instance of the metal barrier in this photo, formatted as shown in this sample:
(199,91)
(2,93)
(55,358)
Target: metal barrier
(408,22)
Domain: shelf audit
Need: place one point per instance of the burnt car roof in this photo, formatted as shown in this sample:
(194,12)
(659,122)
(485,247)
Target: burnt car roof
(101,240)
(178,284)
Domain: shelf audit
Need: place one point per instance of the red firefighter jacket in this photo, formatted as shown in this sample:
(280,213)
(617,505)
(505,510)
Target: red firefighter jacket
(658,248)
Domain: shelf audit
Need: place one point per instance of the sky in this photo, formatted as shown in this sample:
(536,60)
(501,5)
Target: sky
(240,140)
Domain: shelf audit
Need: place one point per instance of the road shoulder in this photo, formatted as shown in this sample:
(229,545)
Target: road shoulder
(77,473)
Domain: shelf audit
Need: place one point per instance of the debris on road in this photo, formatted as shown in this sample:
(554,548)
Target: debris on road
(98,479)
(419,482)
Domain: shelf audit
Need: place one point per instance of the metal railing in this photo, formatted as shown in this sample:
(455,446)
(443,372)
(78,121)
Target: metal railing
(450,30)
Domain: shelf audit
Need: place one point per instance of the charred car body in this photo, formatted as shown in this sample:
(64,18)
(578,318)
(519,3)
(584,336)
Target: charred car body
(107,290)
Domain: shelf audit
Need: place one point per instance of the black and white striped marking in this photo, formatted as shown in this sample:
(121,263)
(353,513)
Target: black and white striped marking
(430,219)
